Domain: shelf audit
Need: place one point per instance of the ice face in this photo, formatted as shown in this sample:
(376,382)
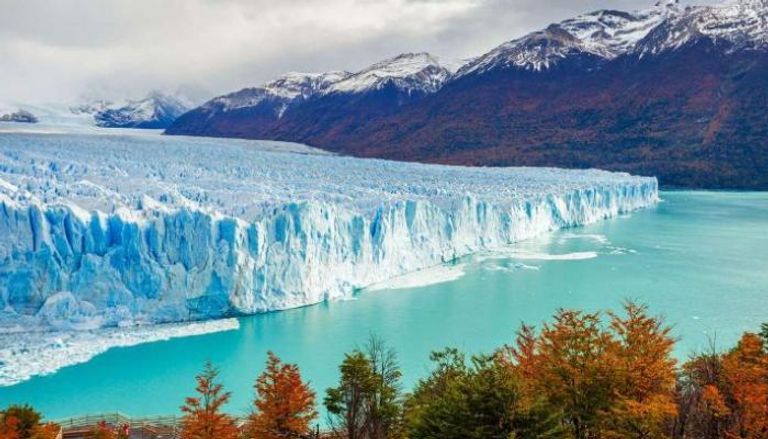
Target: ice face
(102,230)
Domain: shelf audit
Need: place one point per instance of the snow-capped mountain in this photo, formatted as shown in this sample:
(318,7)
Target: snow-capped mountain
(411,73)
(739,24)
(673,91)
(281,92)
(408,72)
(156,111)
(602,35)
(383,86)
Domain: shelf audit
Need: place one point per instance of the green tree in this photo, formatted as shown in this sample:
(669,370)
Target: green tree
(385,404)
(367,403)
(347,404)
(479,401)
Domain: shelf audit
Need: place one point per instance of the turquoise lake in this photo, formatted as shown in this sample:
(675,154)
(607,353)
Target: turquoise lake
(700,259)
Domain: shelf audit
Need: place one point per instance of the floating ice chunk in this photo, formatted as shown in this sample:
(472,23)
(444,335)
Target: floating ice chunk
(428,276)
(533,256)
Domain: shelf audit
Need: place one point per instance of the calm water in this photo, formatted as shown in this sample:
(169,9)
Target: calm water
(699,259)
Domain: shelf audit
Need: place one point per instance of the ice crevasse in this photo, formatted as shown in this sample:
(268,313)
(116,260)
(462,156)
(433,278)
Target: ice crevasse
(111,230)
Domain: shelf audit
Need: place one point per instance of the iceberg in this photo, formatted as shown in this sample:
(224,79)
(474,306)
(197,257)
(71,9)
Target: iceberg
(131,229)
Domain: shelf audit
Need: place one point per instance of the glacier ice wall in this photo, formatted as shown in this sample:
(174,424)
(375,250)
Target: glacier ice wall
(120,229)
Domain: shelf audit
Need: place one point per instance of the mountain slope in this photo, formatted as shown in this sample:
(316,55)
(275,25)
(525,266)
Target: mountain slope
(306,100)
(156,111)
(710,132)
(675,92)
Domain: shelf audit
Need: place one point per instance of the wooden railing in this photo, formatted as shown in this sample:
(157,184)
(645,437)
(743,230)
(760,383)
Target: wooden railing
(150,427)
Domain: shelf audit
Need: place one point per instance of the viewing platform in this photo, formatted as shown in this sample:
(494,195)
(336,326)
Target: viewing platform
(153,427)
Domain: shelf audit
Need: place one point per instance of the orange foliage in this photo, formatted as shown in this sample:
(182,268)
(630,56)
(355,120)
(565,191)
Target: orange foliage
(746,372)
(617,381)
(10,428)
(646,375)
(285,405)
(726,395)
(203,417)
(45,431)
(101,431)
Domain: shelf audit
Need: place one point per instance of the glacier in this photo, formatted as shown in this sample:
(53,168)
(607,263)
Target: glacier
(122,229)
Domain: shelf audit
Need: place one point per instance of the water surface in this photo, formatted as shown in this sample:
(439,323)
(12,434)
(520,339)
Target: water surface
(698,258)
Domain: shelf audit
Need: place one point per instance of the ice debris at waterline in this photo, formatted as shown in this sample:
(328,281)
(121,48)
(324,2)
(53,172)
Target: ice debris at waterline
(23,355)
(116,230)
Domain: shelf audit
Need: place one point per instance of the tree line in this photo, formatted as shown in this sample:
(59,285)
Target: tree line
(579,376)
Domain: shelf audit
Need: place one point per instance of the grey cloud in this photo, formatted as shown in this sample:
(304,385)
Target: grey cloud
(54,50)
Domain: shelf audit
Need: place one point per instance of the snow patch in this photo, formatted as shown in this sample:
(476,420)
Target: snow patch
(26,354)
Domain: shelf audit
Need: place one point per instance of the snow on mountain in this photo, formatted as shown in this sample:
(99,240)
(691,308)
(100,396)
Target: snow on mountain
(742,24)
(157,110)
(281,92)
(116,230)
(607,34)
(604,34)
(408,72)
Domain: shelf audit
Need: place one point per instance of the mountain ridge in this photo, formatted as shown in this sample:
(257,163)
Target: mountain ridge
(668,91)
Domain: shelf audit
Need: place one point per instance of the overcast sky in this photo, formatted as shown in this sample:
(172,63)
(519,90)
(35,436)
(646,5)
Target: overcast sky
(65,50)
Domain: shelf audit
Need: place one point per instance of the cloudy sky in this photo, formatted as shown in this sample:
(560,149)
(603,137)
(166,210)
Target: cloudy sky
(66,50)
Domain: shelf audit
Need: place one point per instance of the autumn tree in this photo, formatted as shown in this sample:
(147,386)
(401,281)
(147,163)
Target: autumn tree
(646,373)
(574,365)
(726,395)
(48,430)
(284,406)
(102,430)
(702,409)
(20,420)
(9,427)
(607,380)
(746,372)
(203,416)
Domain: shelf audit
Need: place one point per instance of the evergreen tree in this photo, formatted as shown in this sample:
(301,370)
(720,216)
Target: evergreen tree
(483,400)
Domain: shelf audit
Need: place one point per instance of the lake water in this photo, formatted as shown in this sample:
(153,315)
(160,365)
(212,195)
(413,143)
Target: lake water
(700,259)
